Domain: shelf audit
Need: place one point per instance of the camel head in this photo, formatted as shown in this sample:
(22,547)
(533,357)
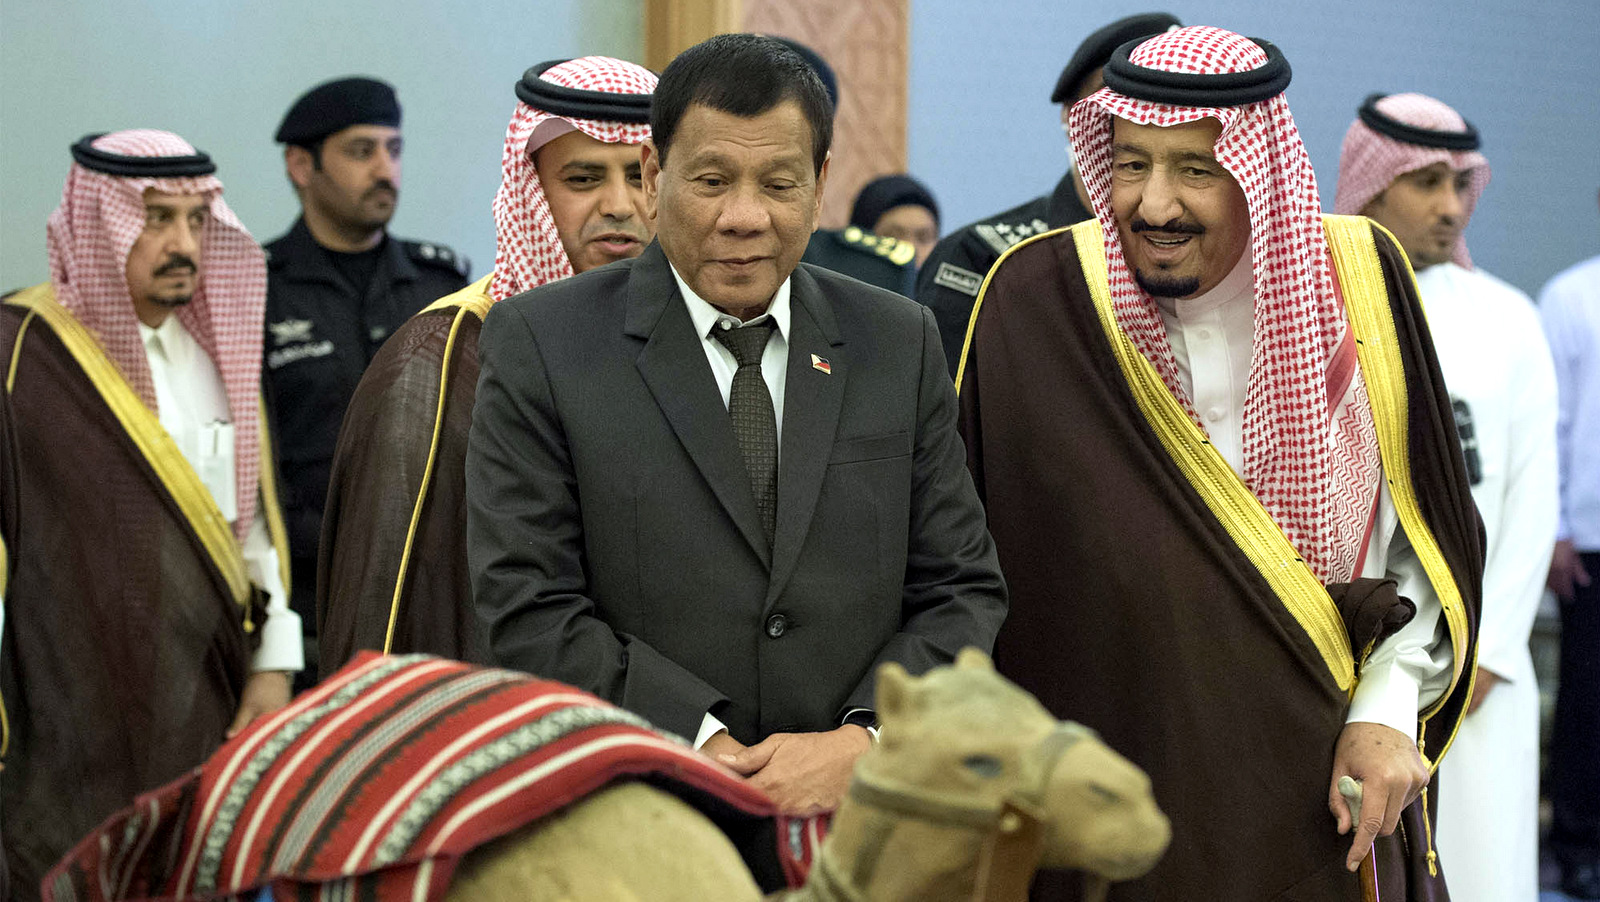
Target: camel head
(964,737)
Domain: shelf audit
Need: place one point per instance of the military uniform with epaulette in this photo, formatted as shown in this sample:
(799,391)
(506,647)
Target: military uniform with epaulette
(951,276)
(874,259)
(322,331)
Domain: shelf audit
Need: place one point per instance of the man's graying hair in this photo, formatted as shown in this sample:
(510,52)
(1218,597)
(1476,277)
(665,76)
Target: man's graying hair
(744,75)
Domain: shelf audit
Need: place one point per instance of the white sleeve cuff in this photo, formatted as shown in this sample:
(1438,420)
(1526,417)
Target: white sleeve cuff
(1387,695)
(281,645)
(709,727)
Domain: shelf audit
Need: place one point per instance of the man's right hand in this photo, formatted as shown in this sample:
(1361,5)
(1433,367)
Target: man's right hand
(1567,575)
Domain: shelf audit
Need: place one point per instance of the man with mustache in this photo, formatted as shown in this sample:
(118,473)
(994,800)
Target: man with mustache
(146,617)
(1226,488)
(1412,164)
(393,562)
(949,279)
(338,286)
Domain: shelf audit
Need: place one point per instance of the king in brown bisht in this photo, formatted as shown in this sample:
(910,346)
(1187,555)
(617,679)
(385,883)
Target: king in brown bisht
(392,572)
(1223,478)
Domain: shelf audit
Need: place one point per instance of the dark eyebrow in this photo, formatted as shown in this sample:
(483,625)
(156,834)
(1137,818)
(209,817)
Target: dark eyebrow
(1191,157)
(1125,147)
(583,167)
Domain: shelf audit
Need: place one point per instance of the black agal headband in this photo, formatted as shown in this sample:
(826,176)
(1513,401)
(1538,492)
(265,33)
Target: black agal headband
(1125,77)
(577,103)
(91,157)
(1412,134)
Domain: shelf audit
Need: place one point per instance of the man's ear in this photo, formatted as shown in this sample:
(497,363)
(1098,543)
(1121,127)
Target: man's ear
(650,176)
(822,181)
(298,162)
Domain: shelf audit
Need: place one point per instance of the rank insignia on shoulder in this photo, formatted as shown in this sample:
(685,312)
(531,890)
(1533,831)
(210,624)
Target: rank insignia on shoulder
(429,252)
(290,331)
(957,279)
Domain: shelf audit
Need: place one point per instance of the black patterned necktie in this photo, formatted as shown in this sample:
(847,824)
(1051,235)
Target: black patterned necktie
(755,425)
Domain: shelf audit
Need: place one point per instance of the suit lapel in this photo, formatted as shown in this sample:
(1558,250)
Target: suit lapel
(811,405)
(673,365)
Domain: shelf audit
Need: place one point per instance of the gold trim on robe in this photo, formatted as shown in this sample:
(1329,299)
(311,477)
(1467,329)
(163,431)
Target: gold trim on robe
(144,428)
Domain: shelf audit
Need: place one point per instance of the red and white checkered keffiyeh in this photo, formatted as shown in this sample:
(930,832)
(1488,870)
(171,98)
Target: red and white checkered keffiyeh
(1310,449)
(1369,161)
(89,238)
(528,251)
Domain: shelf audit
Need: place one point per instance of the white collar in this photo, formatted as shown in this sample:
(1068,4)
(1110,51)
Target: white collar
(1238,283)
(165,339)
(705,316)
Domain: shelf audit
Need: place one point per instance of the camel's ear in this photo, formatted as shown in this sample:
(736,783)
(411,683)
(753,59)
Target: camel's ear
(973,658)
(894,692)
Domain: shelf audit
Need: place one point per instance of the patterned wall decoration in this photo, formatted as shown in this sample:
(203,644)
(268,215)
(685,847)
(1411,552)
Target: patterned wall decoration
(867,44)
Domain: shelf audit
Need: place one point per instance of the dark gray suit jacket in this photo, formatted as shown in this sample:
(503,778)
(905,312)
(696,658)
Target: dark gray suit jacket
(613,539)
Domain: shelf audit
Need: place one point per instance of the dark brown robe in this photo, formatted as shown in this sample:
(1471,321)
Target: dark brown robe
(1134,612)
(125,648)
(401,458)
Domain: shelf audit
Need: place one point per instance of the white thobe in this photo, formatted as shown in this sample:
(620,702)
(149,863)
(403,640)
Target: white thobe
(1211,337)
(193,408)
(1498,371)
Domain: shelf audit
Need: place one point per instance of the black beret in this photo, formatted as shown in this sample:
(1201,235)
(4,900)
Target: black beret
(881,195)
(830,82)
(338,104)
(1096,49)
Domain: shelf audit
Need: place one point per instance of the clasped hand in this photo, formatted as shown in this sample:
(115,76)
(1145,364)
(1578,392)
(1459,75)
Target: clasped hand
(803,773)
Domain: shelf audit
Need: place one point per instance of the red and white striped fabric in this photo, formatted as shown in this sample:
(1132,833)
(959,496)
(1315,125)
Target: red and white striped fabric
(528,251)
(377,782)
(1369,161)
(1310,449)
(89,237)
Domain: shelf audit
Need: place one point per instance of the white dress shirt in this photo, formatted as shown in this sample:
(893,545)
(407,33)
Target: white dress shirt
(193,408)
(1212,336)
(774,369)
(1570,307)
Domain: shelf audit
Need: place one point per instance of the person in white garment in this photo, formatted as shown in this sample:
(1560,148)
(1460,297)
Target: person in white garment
(1570,307)
(1412,164)
(146,617)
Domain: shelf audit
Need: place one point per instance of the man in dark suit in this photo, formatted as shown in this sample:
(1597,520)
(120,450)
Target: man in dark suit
(727,536)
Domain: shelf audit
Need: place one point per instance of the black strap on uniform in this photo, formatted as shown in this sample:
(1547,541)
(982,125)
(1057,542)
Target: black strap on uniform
(577,103)
(1220,89)
(91,157)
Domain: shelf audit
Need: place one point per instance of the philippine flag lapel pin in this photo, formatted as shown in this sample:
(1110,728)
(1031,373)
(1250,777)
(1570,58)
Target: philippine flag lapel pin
(821,365)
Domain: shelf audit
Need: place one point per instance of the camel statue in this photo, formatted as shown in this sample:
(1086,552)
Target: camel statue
(973,786)
(414,777)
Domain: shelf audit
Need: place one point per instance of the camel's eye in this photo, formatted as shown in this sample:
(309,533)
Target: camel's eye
(1104,794)
(987,766)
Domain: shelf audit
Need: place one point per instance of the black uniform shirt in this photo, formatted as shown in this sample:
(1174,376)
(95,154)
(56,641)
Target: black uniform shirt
(321,333)
(874,259)
(951,276)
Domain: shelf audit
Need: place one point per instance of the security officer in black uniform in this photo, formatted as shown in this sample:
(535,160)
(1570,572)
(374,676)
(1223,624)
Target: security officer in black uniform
(337,285)
(949,280)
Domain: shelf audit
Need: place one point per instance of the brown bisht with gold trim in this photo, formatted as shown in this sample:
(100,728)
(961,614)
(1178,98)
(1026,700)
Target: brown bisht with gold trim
(129,618)
(1153,598)
(392,568)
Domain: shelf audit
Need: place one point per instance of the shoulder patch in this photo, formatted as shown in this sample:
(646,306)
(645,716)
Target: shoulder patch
(957,279)
(437,255)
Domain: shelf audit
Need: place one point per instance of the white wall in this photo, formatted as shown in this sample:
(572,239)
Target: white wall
(221,73)
(985,137)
